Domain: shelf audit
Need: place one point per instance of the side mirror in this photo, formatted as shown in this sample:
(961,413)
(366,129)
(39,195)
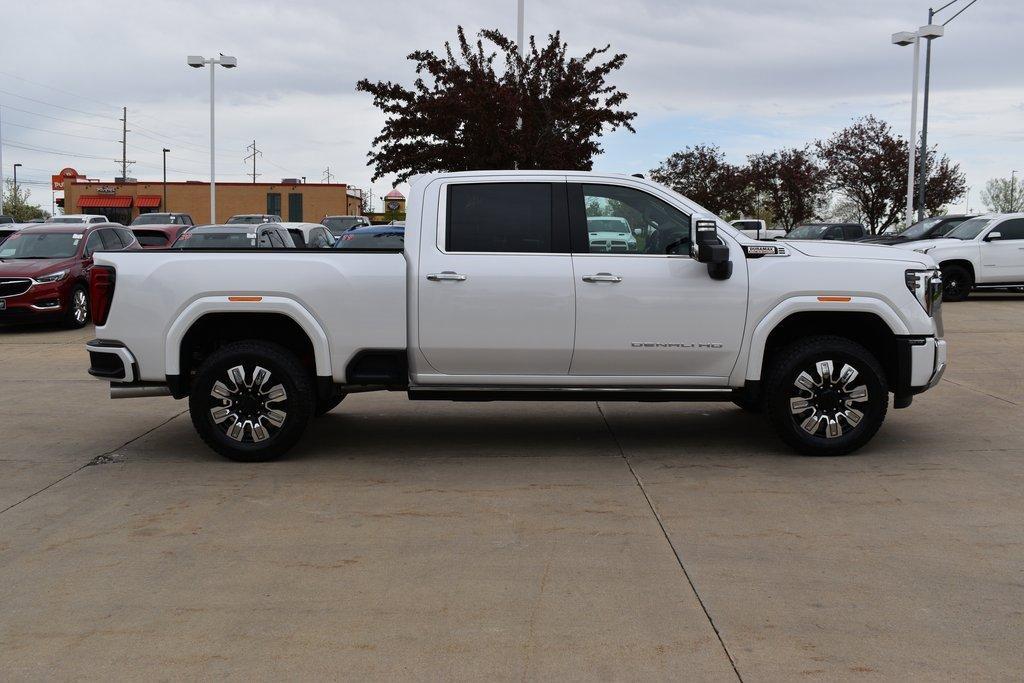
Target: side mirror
(705,247)
(992,236)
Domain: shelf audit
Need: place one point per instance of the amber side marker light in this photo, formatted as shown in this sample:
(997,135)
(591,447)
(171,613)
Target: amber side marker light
(835,299)
(251,299)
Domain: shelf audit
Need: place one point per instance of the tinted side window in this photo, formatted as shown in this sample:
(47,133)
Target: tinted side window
(127,236)
(853,232)
(629,221)
(110,239)
(93,243)
(500,217)
(946,227)
(1012,229)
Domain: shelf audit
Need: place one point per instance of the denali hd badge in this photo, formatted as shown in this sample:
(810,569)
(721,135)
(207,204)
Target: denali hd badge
(759,250)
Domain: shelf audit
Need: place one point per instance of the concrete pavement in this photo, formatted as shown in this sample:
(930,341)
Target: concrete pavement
(431,540)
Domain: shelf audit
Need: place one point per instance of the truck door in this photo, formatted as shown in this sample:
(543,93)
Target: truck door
(1002,257)
(495,283)
(653,311)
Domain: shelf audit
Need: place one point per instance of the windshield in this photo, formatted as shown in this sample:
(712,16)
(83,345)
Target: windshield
(970,229)
(66,220)
(920,229)
(371,240)
(216,240)
(340,224)
(806,232)
(41,245)
(607,225)
(247,220)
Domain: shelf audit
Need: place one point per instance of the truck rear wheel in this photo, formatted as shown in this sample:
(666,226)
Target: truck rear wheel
(251,401)
(826,395)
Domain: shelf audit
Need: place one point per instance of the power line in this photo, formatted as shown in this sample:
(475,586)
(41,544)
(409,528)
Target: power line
(56,132)
(56,106)
(57,118)
(50,87)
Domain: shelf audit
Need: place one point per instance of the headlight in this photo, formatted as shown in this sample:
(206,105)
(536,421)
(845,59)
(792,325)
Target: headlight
(926,286)
(53,277)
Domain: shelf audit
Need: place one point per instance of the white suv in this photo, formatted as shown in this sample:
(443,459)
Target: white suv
(986,252)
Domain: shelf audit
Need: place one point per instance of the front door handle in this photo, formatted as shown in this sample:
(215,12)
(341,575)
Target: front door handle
(446,275)
(602,277)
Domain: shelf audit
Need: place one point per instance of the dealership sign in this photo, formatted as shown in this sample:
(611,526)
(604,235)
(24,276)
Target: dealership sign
(58,180)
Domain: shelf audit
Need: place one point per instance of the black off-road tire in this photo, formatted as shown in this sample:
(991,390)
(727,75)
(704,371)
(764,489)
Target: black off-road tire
(79,310)
(957,283)
(285,370)
(325,406)
(803,356)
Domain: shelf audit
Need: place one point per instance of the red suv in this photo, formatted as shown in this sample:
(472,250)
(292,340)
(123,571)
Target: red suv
(44,271)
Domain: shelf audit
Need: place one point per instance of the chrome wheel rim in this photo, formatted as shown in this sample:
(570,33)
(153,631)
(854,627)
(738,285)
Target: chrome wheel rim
(80,306)
(249,407)
(824,403)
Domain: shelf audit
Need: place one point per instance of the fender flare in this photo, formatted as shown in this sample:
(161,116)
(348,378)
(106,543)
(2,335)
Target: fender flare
(266,304)
(811,304)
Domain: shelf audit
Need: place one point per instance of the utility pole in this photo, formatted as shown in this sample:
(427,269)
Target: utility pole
(1013,183)
(124,144)
(327,176)
(923,173)
(1,159)
(165,178)
(253,156)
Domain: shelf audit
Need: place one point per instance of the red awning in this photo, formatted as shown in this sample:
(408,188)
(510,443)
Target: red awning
(147,201)
(95,201)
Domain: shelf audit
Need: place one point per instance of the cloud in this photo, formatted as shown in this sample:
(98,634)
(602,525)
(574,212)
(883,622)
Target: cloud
(746,74)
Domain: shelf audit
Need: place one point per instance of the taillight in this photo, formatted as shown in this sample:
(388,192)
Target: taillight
(101,292)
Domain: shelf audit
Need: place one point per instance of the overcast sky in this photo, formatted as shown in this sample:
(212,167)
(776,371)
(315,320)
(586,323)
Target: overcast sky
(747,75)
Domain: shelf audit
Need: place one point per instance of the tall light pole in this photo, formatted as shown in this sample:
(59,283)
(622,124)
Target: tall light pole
(197,62)
(904,38)
(924,114)
(15,193)
(165,178)
(1,160)
(521,26)
(1013,186)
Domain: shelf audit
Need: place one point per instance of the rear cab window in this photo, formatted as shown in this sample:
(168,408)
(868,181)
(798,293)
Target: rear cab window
(517,218)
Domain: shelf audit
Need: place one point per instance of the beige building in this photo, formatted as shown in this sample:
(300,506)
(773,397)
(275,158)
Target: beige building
(291,199)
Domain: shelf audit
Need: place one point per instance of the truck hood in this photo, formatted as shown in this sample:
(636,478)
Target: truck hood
(838,249)
(33,267)
(928,244)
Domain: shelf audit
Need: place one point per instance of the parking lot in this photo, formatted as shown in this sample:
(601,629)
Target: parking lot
(434,540)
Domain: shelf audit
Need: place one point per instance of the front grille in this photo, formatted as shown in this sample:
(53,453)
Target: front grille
(14,287)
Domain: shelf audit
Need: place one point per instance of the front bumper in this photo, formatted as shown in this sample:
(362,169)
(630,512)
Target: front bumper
(41,301)
(921,362)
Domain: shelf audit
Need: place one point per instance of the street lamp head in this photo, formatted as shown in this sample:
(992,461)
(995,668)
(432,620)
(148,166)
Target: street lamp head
(166,150)
(930,31)
(196,62)
(904,38)
(231,62)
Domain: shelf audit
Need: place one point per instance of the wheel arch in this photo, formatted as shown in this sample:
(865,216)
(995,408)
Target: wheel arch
(965,263)
(870,323)
(208,324)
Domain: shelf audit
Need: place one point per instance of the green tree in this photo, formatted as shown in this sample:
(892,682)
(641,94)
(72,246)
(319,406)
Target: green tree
(544,110)
(1005,195)
(16,204)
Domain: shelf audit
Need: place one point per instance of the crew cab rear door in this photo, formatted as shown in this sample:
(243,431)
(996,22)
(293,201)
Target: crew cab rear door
(652,310)
(1002,256)
(495,290)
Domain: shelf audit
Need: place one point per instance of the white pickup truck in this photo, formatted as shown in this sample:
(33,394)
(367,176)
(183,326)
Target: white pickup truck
(499,294)
(984,252)
(757,229)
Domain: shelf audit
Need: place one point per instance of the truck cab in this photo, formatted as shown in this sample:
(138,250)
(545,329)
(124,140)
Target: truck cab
(501,292)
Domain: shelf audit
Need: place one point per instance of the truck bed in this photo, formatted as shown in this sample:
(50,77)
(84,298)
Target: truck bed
(348,301)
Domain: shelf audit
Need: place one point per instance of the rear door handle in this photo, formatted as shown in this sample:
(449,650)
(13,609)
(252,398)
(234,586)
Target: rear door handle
(446,275)
(602,277)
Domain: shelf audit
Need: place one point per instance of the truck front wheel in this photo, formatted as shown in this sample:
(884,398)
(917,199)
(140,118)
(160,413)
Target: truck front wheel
(251,401)
(826,395)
